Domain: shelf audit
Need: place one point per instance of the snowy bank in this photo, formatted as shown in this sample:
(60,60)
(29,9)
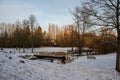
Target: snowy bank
(102,68)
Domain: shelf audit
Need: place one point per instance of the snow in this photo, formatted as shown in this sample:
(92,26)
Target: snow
(101,68)
(43,49)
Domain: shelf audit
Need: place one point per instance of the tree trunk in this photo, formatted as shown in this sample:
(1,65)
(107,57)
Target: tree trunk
(118,39)
(23,47)
(32,41)
(118,53)
(32,46)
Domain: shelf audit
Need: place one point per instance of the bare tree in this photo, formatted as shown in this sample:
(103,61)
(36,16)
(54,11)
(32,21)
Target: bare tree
(82,20)
(77,21)
(25,24)
(32,20)
(107,13)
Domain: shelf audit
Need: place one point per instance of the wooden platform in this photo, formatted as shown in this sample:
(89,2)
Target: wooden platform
(53,55)
(50,55)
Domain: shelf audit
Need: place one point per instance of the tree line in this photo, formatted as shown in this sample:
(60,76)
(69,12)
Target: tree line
(19,35)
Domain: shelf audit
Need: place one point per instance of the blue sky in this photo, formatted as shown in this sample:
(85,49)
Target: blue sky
(45,11)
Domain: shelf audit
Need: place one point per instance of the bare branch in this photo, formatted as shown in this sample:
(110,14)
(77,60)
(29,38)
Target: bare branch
(110,6)
(112,3)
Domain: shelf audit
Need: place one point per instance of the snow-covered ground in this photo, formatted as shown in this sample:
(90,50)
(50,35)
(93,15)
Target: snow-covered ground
(42,49)
(102,68)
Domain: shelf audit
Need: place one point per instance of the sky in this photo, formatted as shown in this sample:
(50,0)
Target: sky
(46,11)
